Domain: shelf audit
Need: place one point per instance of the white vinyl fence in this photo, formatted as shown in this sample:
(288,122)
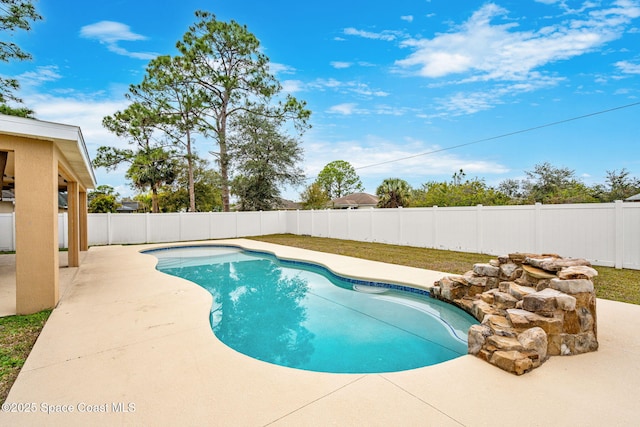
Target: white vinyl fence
(607,234)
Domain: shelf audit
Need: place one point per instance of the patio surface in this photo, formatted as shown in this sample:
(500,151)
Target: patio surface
(128,345)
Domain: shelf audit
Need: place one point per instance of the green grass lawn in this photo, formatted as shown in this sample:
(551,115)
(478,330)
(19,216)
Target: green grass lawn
(613,284)
(18,334)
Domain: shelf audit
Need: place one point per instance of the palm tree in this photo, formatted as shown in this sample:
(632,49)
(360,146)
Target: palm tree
(151,168)
(393,193)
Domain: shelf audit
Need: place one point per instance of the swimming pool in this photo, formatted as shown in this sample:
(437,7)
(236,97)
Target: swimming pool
(302,315)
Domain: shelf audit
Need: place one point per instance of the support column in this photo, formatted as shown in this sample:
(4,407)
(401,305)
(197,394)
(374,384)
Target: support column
(84,221)
(36,193)
(74,224)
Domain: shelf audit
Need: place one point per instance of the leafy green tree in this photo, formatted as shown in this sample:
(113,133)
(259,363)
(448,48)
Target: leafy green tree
(18,112)
(458,192)
(178,104)
(103,199)
(225,59)
(144,202)
(513,190)
(175,197)
(338,179)
(150,168)
(394,193)
(618,186)
(150,164)
(265,160)
(14,15)
(314,197)
(552,185)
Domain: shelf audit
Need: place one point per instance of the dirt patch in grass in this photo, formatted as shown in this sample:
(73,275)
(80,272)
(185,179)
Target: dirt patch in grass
(18,334)
(613,284)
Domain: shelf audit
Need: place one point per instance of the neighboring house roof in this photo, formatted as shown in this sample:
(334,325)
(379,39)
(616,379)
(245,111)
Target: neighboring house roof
(289,205)
(634,198)
(356,200)
(128,206)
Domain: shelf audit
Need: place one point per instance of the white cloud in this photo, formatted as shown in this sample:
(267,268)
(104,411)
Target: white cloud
(491,48)
(366,64)
(292,86)
(80,110)
(352,87)
(472,102)
(340,64)
(408,18)
(276,68)
(110,33)
(628,67)
(384,35)
(363,89)
(486,51)
(326,83)
(345,109)
(40,75)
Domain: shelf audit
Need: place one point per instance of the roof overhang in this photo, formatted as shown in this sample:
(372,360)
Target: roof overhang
(67,138)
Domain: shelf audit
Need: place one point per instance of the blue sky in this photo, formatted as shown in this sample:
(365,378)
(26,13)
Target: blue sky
(384,80)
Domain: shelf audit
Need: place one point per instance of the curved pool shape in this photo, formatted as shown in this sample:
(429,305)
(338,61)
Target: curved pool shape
(302,315)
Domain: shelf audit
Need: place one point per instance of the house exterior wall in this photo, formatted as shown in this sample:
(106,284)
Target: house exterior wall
(37,164)
(36,223)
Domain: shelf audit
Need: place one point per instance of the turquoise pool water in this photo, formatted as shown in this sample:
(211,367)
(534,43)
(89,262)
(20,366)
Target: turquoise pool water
(303,316)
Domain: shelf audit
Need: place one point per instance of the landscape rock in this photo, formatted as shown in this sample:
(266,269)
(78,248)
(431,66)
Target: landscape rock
(520,257)
(537,273)
(558,264)
(572,286)
(451,288)
(499,325)
(486,270)
(537,262)
(523,319)
(577,272)
(503,300)
(547,300)
(519,291)
(534,339)
(512,361)
(510,271)
(480,309)
(476,337)
(530,307)
(500,342)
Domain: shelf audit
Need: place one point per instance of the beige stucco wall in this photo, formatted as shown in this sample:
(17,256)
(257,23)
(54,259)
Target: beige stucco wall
(37,164)
(36,206)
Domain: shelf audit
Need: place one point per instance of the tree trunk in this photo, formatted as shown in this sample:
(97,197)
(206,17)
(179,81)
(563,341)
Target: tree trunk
(224,156)
(192,188)
(155,208)
(224,174)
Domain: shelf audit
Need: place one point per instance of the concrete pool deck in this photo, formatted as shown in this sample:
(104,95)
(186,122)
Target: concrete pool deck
(128,345)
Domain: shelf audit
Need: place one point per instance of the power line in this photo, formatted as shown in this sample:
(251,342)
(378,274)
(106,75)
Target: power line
(504,135)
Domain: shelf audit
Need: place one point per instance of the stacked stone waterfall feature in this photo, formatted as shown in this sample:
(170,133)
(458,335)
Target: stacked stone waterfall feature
(530,307)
